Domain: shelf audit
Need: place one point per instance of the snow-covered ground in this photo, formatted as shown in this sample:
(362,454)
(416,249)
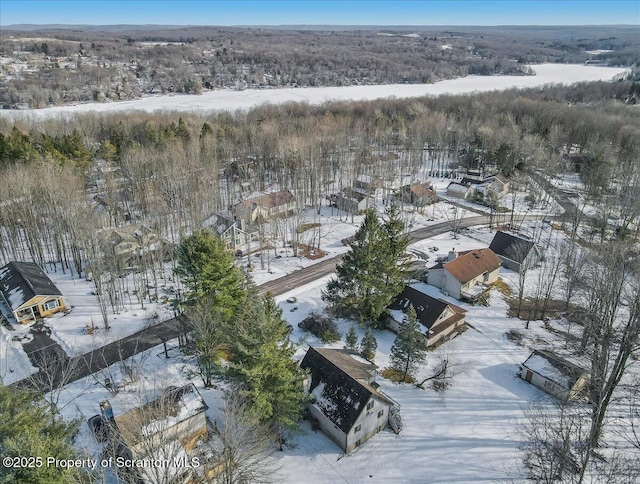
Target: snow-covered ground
(229,100)
(14,362)
(70,330)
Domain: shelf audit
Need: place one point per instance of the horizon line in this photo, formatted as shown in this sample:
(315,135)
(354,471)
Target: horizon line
(313,25)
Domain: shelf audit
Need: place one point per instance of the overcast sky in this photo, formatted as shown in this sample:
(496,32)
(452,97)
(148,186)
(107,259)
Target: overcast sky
(329,12)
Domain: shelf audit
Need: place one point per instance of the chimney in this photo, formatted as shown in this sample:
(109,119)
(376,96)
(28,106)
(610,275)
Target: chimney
(452,255)
(106,410)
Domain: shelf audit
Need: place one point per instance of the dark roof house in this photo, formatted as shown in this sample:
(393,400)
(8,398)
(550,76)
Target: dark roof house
(28,292)
(515,252)
(344,394)
(439,318)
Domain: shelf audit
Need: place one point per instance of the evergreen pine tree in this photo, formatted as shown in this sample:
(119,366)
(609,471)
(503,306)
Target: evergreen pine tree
(28,429)
(207,268)
(409,350)
(261,359)
(368,345)
(369,276)
(351,339)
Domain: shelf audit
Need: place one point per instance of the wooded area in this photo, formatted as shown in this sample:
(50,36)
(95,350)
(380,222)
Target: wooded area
(56,66)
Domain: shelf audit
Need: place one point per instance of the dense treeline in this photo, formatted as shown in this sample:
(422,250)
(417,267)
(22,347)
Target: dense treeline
(171,174)
(77,65)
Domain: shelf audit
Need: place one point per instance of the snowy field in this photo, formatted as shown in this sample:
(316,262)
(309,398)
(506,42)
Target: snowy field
(230,100)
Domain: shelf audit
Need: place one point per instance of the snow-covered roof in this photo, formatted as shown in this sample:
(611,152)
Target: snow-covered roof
(339,384)
(21,281)
(175,405)
(554,368)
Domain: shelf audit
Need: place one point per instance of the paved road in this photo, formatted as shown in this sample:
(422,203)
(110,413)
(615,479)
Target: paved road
(561,196)
(57,368)
(316,271)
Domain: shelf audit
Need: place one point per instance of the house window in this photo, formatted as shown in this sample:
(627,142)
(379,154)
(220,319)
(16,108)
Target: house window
(380,413)
(358,443)
(49,305)
(357,429)
(370,405)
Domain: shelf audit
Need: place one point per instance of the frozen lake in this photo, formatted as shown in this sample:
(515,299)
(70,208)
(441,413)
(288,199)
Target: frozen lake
(230,100)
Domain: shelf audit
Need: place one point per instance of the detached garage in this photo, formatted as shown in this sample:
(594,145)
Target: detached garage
(554,375)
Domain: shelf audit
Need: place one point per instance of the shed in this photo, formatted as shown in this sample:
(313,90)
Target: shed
(554,375)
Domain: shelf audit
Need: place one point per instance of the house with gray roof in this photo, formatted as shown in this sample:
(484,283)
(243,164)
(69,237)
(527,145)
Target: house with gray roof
(516,252)
(28,293)
(346,401)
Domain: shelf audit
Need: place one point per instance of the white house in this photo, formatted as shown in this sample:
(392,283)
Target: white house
(516,252)
(554,375)
(493,185)
(346,402)
(466,276)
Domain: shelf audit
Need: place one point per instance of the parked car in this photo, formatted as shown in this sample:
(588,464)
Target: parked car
(100,427)
(292,300)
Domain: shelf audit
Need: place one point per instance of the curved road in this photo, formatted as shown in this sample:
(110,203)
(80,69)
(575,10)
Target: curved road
(316,271)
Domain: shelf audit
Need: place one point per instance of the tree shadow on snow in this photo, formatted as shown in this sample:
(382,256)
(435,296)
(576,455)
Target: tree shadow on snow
(505,375)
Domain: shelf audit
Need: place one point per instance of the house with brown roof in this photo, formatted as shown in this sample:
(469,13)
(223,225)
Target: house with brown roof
(438,319)
(418,194)
(466,275)
(267,206)
(346,402)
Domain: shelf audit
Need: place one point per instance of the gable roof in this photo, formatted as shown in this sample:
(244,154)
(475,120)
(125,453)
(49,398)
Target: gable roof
(420,189)
(175,405)
(21,281)
(554,368)
(339,384)
(270,200)
(510,246)
(469,265)
(352,194)
(457,187)
(428,309)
